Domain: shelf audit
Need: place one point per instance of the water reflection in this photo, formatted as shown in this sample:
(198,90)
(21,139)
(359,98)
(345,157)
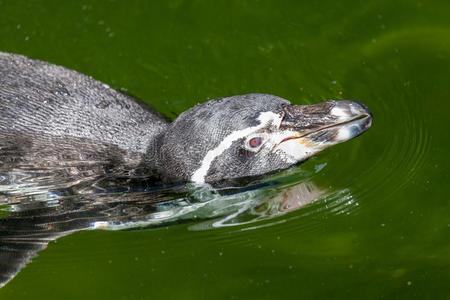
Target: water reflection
(33,215)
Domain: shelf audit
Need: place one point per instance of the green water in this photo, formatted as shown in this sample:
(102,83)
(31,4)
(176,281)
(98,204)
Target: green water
(393,242)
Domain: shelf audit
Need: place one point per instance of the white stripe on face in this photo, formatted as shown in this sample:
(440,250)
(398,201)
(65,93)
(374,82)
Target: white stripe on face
(264,118)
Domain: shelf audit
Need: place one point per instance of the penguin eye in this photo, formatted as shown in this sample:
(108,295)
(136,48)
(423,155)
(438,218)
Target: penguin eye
(255,142)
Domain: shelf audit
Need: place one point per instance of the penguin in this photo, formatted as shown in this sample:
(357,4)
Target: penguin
(69,124)
(60,130)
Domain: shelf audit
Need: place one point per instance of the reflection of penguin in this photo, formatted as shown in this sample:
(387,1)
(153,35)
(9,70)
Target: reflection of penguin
(53,118)
(59,128)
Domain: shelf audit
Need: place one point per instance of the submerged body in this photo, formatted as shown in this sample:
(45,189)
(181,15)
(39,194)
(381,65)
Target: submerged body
(60,129)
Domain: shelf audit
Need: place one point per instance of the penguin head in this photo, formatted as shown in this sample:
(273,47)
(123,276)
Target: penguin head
(254,134)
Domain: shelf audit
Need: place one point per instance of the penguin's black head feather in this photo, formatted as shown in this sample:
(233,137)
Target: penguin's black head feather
(251,135)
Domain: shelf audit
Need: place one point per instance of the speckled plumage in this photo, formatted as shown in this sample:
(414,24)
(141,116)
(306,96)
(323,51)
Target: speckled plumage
(50,115)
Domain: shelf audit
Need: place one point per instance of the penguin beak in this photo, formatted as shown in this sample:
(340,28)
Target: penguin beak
(318,126)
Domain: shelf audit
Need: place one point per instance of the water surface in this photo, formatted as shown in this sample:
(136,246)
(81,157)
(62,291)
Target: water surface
(381,227)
